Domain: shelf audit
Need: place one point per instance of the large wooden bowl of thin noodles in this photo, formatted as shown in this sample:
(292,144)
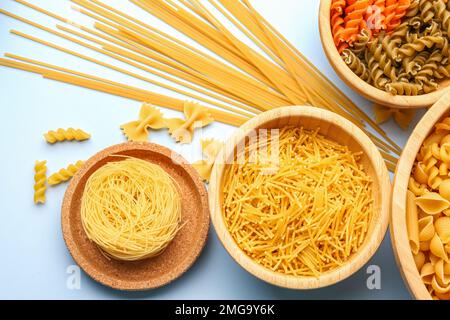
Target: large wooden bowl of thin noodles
(152,272)
(333,127)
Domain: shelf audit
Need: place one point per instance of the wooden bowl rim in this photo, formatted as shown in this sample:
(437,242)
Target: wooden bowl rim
(169,275)
(360,86)
(360,258)
(399,237)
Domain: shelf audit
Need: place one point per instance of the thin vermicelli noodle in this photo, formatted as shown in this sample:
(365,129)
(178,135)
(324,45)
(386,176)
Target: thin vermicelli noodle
(304,214)
(131,209)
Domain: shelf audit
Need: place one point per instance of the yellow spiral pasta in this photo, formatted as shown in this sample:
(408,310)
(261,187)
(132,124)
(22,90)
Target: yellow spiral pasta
(40,177)
(131,209)
(64,174)
(66,134)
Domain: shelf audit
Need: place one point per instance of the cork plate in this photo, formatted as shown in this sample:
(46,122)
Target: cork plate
(181,252)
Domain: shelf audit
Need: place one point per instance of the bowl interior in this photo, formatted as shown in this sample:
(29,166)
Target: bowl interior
(151,272)
(333,130)
(363,88)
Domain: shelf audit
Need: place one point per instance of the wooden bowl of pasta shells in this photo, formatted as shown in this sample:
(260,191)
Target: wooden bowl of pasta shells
(366,90)
(420,220)
(332,127)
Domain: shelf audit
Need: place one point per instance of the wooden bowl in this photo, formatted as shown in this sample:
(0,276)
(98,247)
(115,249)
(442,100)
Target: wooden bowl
(363,88)
(152,272)
(399,235)
(335,128)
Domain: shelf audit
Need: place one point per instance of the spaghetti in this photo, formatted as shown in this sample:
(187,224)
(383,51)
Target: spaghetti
(239,80)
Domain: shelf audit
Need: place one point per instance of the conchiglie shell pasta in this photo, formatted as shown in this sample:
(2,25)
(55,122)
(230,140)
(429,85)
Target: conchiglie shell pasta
(427,273)
(426,229)
(419,260)
(440,272)
(432,203)
(442,296)
(437,248)
(439,287)
(433,259)
(445,139)
(420,174)
(444,189)
(425,245)
(442,226)
(447,268)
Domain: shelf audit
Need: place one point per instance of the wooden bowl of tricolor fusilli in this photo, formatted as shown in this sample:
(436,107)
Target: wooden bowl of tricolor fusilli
(420,222)
(399,63)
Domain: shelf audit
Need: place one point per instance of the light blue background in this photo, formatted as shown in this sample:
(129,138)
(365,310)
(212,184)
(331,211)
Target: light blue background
(34,259)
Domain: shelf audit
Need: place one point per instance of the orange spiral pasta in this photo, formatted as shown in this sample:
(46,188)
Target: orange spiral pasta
(390,11)
(375,17)
(354,19)
(400,11)
(337,21)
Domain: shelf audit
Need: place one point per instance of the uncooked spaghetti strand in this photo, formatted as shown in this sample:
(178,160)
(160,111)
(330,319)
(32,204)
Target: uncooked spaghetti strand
(177,70)
(167,77)
(169,20)
(120,89)
(342,99)
(297,73)
(335,109)
(131,26)
(266,67)
(41,10)
(36,25)
(249,54)
(278,100)
(262,97)
(104,64)
(284,78)
(246,32)
(142,24)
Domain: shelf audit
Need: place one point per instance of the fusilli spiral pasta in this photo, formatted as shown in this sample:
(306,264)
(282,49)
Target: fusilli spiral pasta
(406,52)
(66,134)
(65,173)
(40,178)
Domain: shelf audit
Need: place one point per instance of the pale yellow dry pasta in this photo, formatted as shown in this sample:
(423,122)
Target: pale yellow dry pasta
(429,188)
(210,149)
(64,174)
(426,228)
(256,82)
(412,222)
(442,226)
(131,209)
(432,203)
(149,118)
(303,211)
(40,178)
(196,116)
(68,134)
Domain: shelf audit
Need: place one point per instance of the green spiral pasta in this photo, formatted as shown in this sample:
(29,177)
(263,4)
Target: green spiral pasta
(355,64)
